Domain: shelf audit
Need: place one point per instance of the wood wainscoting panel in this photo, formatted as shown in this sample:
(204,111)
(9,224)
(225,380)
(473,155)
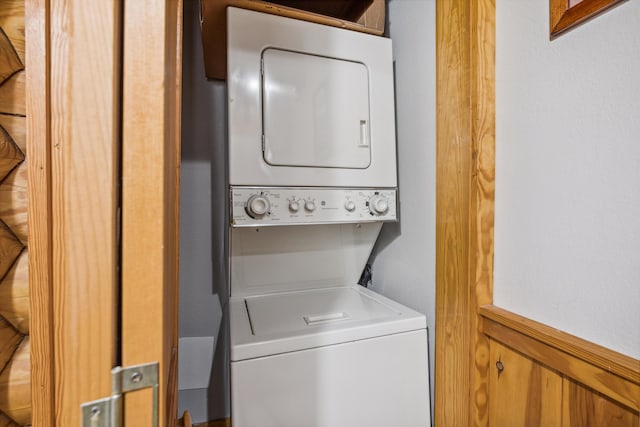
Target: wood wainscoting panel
(522,392)
(599,386)
(585,407)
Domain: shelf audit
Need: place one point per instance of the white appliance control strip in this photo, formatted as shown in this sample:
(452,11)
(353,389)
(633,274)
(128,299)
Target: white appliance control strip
(265,206)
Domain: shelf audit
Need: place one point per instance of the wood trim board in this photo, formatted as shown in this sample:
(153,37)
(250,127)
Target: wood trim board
(150,199)
(465,171)
(38,99)
(563,16)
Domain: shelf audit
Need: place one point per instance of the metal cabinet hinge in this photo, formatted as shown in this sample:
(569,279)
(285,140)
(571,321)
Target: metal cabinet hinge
(107,412)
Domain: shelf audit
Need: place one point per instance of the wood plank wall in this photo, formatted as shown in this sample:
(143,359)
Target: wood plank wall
(15,382)
(542,376)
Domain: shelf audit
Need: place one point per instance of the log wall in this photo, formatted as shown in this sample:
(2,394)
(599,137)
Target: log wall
(15,384)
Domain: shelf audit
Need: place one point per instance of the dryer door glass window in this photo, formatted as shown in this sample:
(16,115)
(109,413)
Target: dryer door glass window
(315,111)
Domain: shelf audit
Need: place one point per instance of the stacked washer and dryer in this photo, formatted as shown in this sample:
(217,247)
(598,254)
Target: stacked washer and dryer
(312,178)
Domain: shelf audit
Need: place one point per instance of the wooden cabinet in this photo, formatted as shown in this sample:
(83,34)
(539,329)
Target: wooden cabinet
(369,14)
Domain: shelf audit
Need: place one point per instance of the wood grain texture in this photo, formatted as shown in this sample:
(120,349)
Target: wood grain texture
(374,16)
(14,294)
(563,16)
(15,383)
(15,386)
(10,62)
(482,196)
(39,212)
(7,422)
(577,365)
(611,361)
(12,18)
(10,339)
(216,423)
(13,201)
(465,120)
(12,95)
(85,113)
(214,28)
(16,127)
(585,407)
(350,10)
(150,198)
(523,392)
(10,248)
(10,154)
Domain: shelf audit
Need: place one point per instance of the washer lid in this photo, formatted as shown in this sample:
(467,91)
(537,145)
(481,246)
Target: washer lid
(321,310)
(291,321)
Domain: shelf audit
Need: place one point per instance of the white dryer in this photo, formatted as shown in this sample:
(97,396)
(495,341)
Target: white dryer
(312,176)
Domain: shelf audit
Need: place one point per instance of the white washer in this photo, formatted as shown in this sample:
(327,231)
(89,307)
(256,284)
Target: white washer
(312,175)
(330,357)
(310,347)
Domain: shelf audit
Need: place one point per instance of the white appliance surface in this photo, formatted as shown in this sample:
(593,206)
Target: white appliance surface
(308,104)
(291,321)
(289,258)
(320,103)
(266,206)
(377,382)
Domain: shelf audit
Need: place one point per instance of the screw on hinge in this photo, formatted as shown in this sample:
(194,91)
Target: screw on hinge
(499,367)
(136,377)
(95,412)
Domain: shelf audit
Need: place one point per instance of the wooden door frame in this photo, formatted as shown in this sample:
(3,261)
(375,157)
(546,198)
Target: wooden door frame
(152,80)
(72,138)
(74,133)
(465,181)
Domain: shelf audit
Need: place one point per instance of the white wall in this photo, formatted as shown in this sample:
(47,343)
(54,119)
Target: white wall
(202,231)
(404,257)
(567,233)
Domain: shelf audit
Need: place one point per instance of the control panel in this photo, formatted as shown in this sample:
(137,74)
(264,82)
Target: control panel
(260,206)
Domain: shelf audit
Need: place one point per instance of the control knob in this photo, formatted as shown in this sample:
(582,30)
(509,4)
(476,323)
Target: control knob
(378,205)
(350,205)
(294,206)
(258,206)
(310,205)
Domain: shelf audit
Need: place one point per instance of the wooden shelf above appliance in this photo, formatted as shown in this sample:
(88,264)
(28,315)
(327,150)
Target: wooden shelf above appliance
(369,14)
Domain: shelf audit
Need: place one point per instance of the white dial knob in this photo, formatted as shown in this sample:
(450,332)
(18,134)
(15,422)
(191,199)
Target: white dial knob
(310,205)
(378,205)
(350,205)
(294,206)
(258,205)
